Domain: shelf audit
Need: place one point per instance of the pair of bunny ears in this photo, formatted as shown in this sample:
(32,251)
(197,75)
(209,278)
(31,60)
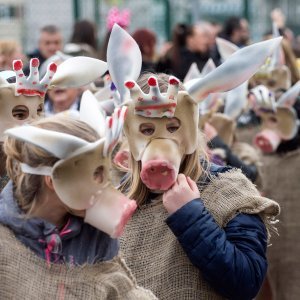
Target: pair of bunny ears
(124,64)
(265,99)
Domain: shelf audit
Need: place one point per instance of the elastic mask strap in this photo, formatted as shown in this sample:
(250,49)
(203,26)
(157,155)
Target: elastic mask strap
(43,170)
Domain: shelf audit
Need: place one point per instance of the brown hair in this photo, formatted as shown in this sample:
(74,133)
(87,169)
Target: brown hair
(190,165)
(146,40)
(28,186)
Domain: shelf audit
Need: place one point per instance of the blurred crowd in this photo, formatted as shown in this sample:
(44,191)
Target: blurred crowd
(190,43)
(267,116)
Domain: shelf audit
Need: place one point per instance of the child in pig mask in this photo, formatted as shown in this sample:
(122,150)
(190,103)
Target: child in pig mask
(20,104)
(200,231)
(43,236)
(47,249)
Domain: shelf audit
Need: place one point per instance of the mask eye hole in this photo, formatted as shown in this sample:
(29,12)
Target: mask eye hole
(173,125)
(273,119)
(40,110)
(271,82)
(99,174)
(20,112)
(147,129)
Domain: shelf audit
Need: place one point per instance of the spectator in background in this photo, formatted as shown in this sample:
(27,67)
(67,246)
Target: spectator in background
(146,40)
(9,51)
(236,30)
(58,99)
(190,44)
(287,44)
(50,41)
(83,40)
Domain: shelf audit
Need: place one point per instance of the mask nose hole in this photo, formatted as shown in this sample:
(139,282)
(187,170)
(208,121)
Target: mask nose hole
(99,174)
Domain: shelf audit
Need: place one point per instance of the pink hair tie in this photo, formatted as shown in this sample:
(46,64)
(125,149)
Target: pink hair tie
(122,18)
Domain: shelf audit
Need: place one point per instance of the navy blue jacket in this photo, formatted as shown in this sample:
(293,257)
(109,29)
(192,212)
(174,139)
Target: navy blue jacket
(77,243)
(232,259)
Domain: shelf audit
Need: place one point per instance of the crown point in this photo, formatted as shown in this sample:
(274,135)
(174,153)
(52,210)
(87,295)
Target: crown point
(53,67)
(152,81)
(35,62)
(129,84)
(173,81)
(119,112)
(110,122)
(18,65)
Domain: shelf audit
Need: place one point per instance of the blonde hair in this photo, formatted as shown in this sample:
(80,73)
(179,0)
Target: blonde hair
(7,49)
(28,186)
(190,165)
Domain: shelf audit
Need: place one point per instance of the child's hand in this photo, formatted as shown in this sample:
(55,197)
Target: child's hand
(183,191)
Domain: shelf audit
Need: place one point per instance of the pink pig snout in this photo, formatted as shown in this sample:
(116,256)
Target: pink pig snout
(267,140)
(158,175)
(111,212)
(160,164)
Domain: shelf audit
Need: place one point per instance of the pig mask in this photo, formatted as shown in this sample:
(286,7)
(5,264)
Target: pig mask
(279,119)
(162,128)
(23,101)
(81,175)
(160,142)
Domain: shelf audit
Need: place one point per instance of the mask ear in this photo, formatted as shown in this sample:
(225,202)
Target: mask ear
(192,73)
(225,48)
(238,68)
(56,143)
(78,71)
(289,98)
(208,67)
(236,101)
(124,59)
(277,56)
(91,113)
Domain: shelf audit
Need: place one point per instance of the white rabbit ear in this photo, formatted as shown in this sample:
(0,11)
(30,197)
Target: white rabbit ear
(78,71)
(192,73)
(225,48)
(210,103)
(103,94)
(108,106)
(289,98)
(56,143)
(238,68)
(236,101)
(277,56)
(208,67)
(124,59)
(90,113)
